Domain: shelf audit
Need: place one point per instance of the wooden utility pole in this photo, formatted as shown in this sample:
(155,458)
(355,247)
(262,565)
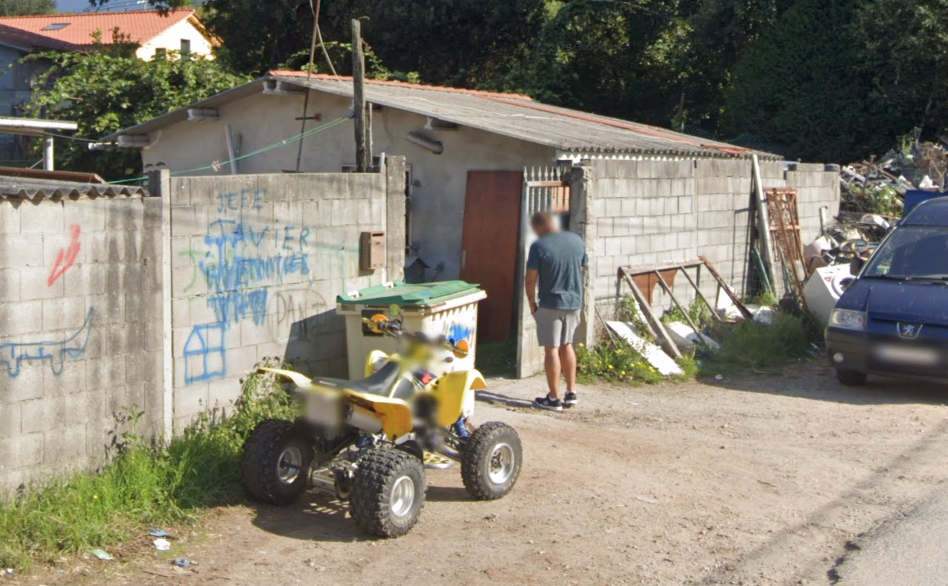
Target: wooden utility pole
(358,97)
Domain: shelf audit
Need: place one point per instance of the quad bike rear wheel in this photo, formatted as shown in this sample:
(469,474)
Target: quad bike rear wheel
(276,462)
(388,492)
(491,461)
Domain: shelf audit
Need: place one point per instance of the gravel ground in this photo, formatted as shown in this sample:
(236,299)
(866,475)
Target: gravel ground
(753,480)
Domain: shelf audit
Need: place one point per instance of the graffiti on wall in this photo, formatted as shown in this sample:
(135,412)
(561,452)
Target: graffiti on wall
(66,257)
(242,260)
(56,352)
(205,354)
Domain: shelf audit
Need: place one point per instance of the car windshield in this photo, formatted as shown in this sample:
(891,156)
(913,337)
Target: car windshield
(912,252)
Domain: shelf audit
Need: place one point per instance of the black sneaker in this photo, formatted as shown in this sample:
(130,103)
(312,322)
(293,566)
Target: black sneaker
(548,404)
(571,400)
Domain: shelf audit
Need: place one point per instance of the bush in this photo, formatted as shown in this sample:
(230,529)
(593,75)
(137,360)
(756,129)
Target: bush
(145,485)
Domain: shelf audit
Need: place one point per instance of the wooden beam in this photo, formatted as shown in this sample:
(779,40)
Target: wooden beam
(668,290)
(661,335)
(701,296)
(358,97)
(722,285)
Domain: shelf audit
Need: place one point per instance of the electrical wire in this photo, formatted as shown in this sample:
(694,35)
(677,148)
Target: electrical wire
(217,165)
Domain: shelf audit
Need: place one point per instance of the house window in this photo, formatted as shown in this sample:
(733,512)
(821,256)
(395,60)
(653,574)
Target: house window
(185,48)
(161,53)
(56,26)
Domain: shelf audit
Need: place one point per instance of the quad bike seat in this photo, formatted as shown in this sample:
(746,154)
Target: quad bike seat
(379,383)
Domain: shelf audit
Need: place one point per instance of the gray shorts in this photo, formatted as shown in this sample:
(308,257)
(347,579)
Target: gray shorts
(556,328)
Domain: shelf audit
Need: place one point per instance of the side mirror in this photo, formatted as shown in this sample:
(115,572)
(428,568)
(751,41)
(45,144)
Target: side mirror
(856,265)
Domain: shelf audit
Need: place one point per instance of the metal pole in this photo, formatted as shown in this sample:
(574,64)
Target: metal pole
(48,154)
(764,216)
(358,96)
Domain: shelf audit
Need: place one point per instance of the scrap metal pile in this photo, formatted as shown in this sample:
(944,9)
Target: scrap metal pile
(879,185)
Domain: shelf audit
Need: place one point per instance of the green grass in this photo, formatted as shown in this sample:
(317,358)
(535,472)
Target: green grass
(750,345)
(144,486)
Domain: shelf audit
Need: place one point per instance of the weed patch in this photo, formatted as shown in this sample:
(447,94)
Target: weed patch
(751,345)
(144,485)
(619,362)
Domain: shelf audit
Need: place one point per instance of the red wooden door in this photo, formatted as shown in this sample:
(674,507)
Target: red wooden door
(489,247)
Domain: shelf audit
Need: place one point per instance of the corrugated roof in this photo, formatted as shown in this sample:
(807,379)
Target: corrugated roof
(36,189)
(511,115)
(72,31)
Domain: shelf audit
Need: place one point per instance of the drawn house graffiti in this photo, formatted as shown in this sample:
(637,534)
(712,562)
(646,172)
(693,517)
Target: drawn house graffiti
(56,353)
(205,354)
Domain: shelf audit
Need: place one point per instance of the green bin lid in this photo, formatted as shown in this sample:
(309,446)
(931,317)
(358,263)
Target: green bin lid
(405,295)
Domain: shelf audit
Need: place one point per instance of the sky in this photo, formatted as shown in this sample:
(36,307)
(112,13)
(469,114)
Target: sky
(72,5)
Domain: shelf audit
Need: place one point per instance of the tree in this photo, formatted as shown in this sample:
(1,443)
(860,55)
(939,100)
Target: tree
(26,7)
(800,85)
(841,80)
(456,42)
(109,89)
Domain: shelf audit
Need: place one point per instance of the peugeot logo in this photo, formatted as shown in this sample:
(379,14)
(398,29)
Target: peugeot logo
(909,331)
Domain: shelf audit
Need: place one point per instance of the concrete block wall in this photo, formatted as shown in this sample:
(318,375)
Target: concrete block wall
(80,330)
(653,211)
(257,263)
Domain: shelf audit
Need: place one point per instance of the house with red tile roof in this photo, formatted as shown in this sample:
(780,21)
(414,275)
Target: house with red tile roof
(151,33)
(154,33)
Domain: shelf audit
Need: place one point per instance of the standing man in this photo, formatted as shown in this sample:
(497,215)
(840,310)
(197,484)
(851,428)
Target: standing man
(557,261)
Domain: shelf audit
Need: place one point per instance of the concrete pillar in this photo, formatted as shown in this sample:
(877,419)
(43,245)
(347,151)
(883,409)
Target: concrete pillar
(48,154)
(396,209)
(159,185)
(583,222)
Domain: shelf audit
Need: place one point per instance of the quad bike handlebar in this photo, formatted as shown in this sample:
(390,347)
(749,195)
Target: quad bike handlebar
(382,325)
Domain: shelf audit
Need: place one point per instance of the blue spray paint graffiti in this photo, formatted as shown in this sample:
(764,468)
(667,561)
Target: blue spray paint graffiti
(12,355)
(240,269)
(241,263)
(460,332)
(205,354)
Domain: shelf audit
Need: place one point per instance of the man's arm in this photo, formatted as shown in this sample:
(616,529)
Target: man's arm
(531,287)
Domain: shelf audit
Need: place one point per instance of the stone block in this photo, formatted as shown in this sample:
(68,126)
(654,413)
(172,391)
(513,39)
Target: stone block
(9,218)
(23,251)
(44,217)
(124,214)
(25,451)
(9,419)
(64,313)
(25,317)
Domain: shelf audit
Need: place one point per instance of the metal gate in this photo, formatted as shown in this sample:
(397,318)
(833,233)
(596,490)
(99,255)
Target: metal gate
(544,190)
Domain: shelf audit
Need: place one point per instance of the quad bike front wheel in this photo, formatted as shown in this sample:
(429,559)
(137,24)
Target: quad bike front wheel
(491,461)
(388,492)
(276,462)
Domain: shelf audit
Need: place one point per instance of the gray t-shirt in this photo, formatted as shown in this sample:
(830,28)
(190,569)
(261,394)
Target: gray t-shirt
(559,258)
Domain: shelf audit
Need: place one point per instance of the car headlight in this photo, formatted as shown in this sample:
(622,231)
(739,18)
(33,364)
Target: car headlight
(848,319)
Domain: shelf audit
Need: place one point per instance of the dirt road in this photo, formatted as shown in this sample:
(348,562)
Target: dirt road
(756,480)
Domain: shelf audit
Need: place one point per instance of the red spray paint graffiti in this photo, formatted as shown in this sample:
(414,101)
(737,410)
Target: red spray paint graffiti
(66,257)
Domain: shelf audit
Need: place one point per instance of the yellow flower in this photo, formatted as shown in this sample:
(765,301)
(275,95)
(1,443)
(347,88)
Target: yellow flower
(95,497)
(581,345)
(610,367)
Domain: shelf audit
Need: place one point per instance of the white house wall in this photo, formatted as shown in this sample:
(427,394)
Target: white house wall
(440,181)
(171,38)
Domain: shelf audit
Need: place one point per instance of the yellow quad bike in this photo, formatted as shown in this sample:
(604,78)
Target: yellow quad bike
(370,441)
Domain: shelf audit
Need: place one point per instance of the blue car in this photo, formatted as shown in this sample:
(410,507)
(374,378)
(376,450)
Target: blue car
(893,320)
